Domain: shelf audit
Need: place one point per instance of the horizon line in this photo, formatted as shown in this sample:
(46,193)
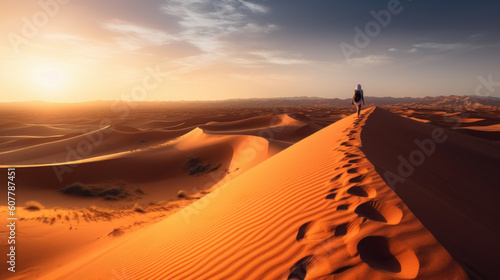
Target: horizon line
(233,99)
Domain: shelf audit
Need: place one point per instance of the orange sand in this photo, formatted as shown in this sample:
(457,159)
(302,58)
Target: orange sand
(274,209)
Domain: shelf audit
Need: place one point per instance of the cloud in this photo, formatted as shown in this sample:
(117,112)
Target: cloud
(413,50)
(134,36)
(278,58)
(203,22)
(442,47)
(456,46)
(255,8)
(475,37)
(255,28)
(370,60)
(87,49)
(393,50)
(216,28)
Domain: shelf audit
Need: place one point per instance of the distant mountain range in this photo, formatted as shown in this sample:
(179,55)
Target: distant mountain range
(451,100)
(437,101)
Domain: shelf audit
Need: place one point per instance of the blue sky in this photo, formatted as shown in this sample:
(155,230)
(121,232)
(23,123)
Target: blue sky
(200,49)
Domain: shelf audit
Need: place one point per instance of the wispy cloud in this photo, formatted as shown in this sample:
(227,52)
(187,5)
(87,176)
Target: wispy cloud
(134,36)
(442,47)
(278,58)
(256,28)
(369,60)
(255,8)
(129,37)
(455,47)
(476,37)
(412,50)
(205,22)
(86,48)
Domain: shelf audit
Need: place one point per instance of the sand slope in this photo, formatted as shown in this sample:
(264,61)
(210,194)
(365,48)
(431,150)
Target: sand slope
(453,189)
(159,170)
(317,210)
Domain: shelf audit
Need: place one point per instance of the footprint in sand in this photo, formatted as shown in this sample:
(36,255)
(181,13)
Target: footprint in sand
(299,269)
(337,194)
(362,191)
(331,196)
(357,179)
(321,263)
(387,255)
(348,230)
(346,144)
(379,212)
(302,231)
(341,230)
(343,207)
(349,155)
(354,160)
(336,177)
(315,230)
(357,170)
(374,250)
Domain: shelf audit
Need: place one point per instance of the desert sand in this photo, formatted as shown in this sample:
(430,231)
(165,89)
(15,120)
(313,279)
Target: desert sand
(264,195)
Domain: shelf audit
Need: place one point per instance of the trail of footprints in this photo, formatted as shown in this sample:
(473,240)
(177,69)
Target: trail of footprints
(351,192)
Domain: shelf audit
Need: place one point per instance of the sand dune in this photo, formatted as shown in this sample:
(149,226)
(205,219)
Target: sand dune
(450,185)
(144,152)
(283,127)
(149,168)
(131,177)
(478,121)
(318,210)
(97,142)
(237,194)
(493,127)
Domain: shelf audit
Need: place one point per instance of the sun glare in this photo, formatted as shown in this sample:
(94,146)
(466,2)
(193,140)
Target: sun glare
(50,79)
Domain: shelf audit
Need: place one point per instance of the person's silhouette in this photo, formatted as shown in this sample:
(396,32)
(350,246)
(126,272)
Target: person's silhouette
(358,98)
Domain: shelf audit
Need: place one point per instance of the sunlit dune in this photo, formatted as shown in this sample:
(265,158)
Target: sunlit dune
(493,127)
(253,195)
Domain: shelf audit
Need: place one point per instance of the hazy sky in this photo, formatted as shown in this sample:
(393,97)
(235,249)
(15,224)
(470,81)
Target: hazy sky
(79,50)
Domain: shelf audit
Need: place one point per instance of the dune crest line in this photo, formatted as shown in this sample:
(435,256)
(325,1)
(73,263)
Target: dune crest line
(317,210)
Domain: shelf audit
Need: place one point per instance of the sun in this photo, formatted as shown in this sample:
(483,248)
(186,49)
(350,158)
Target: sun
(50,78)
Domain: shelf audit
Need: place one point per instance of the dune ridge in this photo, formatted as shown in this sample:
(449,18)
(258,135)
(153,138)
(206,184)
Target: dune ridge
(452,186)
(317,210)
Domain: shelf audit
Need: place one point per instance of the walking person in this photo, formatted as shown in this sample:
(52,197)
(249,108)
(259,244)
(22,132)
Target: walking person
(358,98)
